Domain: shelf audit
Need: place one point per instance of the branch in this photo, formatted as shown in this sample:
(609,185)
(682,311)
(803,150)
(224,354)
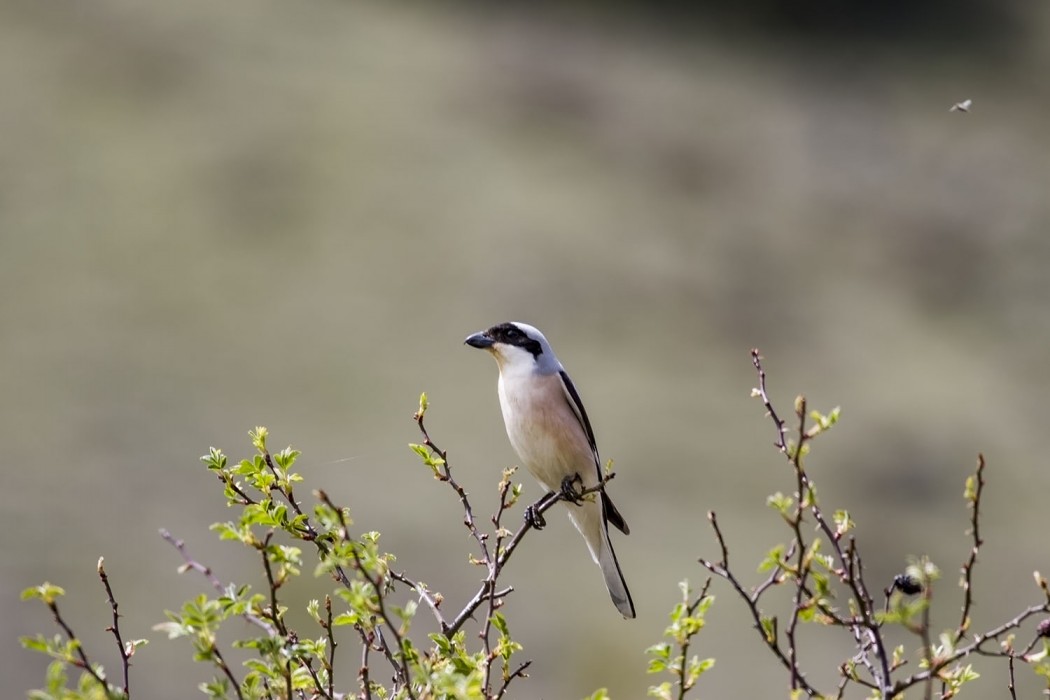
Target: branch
(850,568)
(722,570)
(974,490)
(446,475)
(519,672)
(332,644)
(221,663)
(760,391)
(400,662)
(206,572)
(83,661)
(683,667)
(115,627)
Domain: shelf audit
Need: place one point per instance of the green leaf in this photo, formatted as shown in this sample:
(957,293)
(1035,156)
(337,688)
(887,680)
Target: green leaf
(843,522)
(47,592)
(769,626)
(345,619)
(780,503)
(258,437)
(662,691)
(37,643)
(215,460)
(773,560)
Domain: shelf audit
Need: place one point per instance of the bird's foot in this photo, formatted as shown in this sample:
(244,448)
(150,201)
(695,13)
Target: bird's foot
(569,491)
(535,518)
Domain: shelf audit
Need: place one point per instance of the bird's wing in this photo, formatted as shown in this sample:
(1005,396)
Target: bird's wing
(572,396)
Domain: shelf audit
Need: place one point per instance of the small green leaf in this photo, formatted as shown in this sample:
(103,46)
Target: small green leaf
(47,592)
(258,437)
(773,560)
(769,626)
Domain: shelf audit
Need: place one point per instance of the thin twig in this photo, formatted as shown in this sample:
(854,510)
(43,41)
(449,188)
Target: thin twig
(424,594)
(967,569)
(801,566)
(756,360)
(400,661)
(851,571)
(224,667)
(446,475)
(363,672)
(519,672)
(308,533)
(272,585)
(206,572)
(332,644)
(115,627)
(681,671)
(927,642)
(722,570)
(83,661)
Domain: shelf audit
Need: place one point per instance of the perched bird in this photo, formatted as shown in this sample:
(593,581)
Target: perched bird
(548,428)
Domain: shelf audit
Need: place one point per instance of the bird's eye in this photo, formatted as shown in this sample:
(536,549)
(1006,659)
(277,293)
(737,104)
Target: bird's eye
(513,333)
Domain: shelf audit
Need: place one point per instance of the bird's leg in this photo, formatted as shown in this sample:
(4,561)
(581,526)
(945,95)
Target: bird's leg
(535,518)
(569,492)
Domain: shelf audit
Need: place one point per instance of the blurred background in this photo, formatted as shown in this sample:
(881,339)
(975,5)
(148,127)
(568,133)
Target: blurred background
(221,215)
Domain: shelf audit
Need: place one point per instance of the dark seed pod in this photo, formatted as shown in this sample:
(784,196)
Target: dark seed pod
(908,585)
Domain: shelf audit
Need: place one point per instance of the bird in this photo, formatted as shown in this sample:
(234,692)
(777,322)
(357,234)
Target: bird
(549,430)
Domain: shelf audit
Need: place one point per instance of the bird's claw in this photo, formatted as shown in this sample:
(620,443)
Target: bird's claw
(535,518)
(569,491)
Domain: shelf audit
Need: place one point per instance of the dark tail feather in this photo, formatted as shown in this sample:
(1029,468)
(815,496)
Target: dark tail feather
(612,516)
(614,580)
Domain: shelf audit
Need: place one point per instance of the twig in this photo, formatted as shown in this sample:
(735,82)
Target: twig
(308,533)
(850,565)
(331,645)
(967,569)
(272,585)
(927,642)
(115,627)
(400,661)
(221,663)
(756,360)
(519,672)
(83,661)
(363,672)
(801,566)
(541,506)
(206,572)
(722,570)
(424,595)
(446,475)
(682,667)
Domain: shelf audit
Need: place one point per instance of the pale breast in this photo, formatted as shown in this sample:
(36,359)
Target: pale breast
(544,430)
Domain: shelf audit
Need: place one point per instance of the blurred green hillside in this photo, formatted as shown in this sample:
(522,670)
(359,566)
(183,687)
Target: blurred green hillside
(221,215)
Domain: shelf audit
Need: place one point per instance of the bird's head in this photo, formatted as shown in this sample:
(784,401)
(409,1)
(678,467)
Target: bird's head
(517,346)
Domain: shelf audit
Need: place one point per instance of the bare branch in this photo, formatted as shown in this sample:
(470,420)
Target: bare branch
(975,530)
(756,360)
(125,656)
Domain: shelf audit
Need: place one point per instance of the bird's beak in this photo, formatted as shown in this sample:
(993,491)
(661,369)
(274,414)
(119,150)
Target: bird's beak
(480,341)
